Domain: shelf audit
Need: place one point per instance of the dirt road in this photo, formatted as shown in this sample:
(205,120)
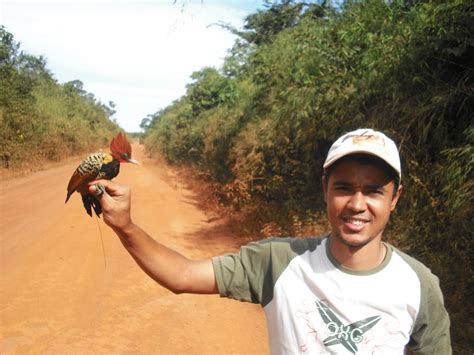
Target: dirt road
(58,296)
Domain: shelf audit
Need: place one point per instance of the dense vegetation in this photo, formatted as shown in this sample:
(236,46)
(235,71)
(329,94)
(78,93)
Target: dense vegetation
(41,119)
(301,74)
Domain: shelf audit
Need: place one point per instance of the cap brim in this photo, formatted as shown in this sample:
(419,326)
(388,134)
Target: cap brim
(336,157)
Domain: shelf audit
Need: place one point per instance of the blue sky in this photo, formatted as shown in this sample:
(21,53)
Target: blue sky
(137,53)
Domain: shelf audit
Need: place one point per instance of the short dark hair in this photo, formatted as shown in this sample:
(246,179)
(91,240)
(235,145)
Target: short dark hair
(367,159)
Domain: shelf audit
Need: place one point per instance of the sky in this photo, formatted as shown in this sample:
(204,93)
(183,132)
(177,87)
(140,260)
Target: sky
(139,54)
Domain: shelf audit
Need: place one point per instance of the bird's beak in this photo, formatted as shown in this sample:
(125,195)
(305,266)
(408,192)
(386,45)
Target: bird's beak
(133,161)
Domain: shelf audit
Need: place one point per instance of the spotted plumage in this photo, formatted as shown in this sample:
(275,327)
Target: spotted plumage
(99,166)
(91,164)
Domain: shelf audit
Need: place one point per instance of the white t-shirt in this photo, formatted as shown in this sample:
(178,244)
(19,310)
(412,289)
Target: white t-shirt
(314,305)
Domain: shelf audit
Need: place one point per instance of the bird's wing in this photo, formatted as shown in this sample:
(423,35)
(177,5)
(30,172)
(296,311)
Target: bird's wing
(85,172)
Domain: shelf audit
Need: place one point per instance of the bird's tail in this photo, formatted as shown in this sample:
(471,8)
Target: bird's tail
(90,202)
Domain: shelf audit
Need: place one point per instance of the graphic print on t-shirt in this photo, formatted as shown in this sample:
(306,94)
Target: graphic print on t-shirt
(332,331)
(346,335)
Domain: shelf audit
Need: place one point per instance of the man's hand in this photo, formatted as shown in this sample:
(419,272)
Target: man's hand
(166,266)
(115,202)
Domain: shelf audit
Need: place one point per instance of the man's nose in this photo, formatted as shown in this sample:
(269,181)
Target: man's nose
(357,202)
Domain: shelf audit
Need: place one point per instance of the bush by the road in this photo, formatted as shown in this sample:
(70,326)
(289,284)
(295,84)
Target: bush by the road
(40,119)
(301,74)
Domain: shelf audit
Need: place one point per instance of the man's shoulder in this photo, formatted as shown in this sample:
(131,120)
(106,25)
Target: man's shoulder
(430,333)
(279,251)
(251,274)
(293,245)
(422,271)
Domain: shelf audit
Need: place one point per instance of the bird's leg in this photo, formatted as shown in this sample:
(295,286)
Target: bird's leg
(100,189)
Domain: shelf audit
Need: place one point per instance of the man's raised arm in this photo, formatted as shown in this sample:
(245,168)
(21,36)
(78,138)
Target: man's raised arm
(166,266)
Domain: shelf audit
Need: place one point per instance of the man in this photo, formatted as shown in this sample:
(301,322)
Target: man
(346,293)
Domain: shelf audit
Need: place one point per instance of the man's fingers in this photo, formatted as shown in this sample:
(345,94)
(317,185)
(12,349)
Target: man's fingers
(97,190)
(101,186)
(93,190)
(115,201)
(109,187)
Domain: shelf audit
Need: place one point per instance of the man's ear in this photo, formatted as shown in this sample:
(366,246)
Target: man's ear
(396,196)
(324,182)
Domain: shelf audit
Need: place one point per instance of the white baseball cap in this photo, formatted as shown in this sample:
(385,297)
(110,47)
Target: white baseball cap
(368,141)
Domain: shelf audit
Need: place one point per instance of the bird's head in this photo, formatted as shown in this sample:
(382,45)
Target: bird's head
(121,149)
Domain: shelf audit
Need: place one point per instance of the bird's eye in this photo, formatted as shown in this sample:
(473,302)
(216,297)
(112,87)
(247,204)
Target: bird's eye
(125,156)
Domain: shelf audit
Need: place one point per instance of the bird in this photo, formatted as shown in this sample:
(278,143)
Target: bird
(99,166)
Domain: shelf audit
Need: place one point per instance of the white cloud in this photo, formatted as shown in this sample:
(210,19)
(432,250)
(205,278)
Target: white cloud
(138,54)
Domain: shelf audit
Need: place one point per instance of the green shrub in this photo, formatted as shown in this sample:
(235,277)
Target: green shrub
(40,119)
(301,75)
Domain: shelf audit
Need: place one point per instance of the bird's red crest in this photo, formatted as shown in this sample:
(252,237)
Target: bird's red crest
(121,146)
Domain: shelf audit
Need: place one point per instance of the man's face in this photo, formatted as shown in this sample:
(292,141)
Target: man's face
(359,200)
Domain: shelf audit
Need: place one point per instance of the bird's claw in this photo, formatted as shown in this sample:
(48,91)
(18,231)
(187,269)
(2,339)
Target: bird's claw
(99,189)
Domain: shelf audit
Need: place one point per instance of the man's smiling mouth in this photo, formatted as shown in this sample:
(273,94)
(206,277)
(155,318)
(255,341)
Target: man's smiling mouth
(355,224)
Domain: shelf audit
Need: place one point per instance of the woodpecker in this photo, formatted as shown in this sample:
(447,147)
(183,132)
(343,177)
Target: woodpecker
(99,166)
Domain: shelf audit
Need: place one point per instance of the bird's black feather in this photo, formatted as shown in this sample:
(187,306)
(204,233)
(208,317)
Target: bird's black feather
(90,202)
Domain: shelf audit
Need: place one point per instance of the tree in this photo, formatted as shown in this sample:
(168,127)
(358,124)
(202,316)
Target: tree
(74,87)
(209,89)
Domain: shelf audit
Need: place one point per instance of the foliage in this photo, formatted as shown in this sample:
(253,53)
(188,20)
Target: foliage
(41,119)
(263,26)
(209,90)
(300,75)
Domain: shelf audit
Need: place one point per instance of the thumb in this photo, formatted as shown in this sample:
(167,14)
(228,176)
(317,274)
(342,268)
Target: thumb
(94,190)
(108,186)
(99,191)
